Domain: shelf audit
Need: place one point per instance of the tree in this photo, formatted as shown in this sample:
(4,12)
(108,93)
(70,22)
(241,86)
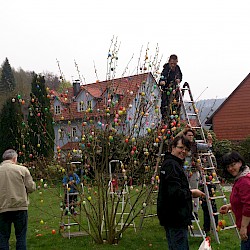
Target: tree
(41,131)
(8,82)
(11,126)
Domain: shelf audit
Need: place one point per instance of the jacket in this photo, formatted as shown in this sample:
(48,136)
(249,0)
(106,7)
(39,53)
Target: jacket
(174,203)
(16,182)
(169,75)
(240,197)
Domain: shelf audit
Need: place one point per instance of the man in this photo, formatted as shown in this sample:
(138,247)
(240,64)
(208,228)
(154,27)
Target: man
(171,76)
(174,203)
(16,182)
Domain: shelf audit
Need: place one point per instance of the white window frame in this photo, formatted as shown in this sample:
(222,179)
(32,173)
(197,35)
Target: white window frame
(73,132)
(89,104)
(81,106)
(58,109)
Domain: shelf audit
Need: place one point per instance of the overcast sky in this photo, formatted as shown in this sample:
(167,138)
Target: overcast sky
(211,38)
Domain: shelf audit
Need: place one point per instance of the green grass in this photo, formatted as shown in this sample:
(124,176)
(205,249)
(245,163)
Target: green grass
(152,235)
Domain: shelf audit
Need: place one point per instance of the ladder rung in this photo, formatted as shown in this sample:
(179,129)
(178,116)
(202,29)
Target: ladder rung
(206,154)
(71,224)
(200,141)
(185,88)
(210,168)
(213,182)
(229,227)
(73,193)
(217,197)
(191,114)
(188,101)
(122,213)
(126,224)
(149,215)
(197,127)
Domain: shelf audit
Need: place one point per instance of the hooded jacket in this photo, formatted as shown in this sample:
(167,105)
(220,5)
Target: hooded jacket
(15,184)
(240,197)
(174,203)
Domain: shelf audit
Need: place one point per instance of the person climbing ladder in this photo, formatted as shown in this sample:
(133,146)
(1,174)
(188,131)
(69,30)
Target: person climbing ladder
(171,76)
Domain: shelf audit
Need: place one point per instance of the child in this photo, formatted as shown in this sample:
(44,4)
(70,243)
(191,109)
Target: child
(70,198)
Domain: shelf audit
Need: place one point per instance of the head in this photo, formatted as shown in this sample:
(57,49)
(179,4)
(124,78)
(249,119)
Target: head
(189,134)
(10,154)
(173,60)
(180,146)
(232,164)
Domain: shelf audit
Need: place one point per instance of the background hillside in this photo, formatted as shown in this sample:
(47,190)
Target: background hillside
(207,107)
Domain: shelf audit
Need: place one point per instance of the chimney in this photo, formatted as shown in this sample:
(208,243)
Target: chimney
(76,87)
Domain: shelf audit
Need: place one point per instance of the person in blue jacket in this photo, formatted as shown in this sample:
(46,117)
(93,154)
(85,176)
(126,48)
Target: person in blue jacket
(70,182)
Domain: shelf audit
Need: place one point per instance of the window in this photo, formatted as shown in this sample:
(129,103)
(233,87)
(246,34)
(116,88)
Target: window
(57,109)
(81,106)
(60,133)
(89,103)
(73,132)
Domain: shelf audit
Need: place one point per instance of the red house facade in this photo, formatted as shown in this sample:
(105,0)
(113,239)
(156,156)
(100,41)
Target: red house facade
(231,121)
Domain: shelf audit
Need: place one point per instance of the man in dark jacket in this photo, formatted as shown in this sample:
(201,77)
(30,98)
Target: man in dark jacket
(171,76)
(174,203)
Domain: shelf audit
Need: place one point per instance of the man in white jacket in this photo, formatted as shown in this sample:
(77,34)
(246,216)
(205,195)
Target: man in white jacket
(16,182)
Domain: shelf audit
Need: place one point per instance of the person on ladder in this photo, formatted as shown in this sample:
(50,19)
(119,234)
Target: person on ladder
(70,197)
(171,76)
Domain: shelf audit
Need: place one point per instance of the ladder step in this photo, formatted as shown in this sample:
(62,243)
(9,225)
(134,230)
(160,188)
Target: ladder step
(150,215)
(198,127)
(200,141)
(213,182)
(210,168)
(188,101)
(206,154)
(191,114)
(73,193)
(229,227)
(217,197)
(71,224)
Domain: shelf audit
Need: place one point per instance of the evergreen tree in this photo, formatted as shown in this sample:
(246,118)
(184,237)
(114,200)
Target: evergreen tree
(40,120)
(11,126)
(7,82)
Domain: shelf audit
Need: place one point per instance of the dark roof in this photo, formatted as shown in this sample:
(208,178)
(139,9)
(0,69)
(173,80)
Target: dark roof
(210,119)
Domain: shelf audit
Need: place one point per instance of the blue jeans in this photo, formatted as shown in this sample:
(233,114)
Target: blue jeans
(20,220)
(177,238)
(245,245)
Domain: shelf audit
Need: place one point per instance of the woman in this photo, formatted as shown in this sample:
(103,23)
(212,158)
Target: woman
(234,166)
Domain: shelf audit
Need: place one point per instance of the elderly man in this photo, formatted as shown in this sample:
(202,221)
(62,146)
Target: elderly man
(16,182)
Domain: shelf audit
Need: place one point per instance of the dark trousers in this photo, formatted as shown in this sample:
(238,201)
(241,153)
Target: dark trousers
(177,238)
(207,221)
(20,221)
(245,245)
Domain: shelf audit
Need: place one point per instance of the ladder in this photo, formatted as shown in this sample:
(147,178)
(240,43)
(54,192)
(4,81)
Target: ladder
(119,199)
(207,160)
(169,125)
(68,211)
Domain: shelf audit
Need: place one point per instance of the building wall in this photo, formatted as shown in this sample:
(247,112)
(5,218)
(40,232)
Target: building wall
(232,121)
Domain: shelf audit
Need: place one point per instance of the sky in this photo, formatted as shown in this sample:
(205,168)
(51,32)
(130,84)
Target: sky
(211,38)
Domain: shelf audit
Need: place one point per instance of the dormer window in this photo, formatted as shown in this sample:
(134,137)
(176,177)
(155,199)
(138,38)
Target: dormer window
(57,109)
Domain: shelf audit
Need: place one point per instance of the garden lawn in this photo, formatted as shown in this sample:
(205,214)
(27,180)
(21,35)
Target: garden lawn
(45,215)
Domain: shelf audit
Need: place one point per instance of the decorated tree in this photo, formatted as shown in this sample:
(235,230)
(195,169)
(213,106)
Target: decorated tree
(40,121)
(11,119)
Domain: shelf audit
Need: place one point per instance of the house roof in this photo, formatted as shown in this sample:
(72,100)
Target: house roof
(70,146)
(210,119)
(125,87)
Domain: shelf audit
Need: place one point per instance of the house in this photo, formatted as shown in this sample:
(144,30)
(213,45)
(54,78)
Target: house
(130,105)
(231,120)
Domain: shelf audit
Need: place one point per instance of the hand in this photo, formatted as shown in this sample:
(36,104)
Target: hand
(224,209)
(243,233)
(197,193)
(162,83)
(177,81)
